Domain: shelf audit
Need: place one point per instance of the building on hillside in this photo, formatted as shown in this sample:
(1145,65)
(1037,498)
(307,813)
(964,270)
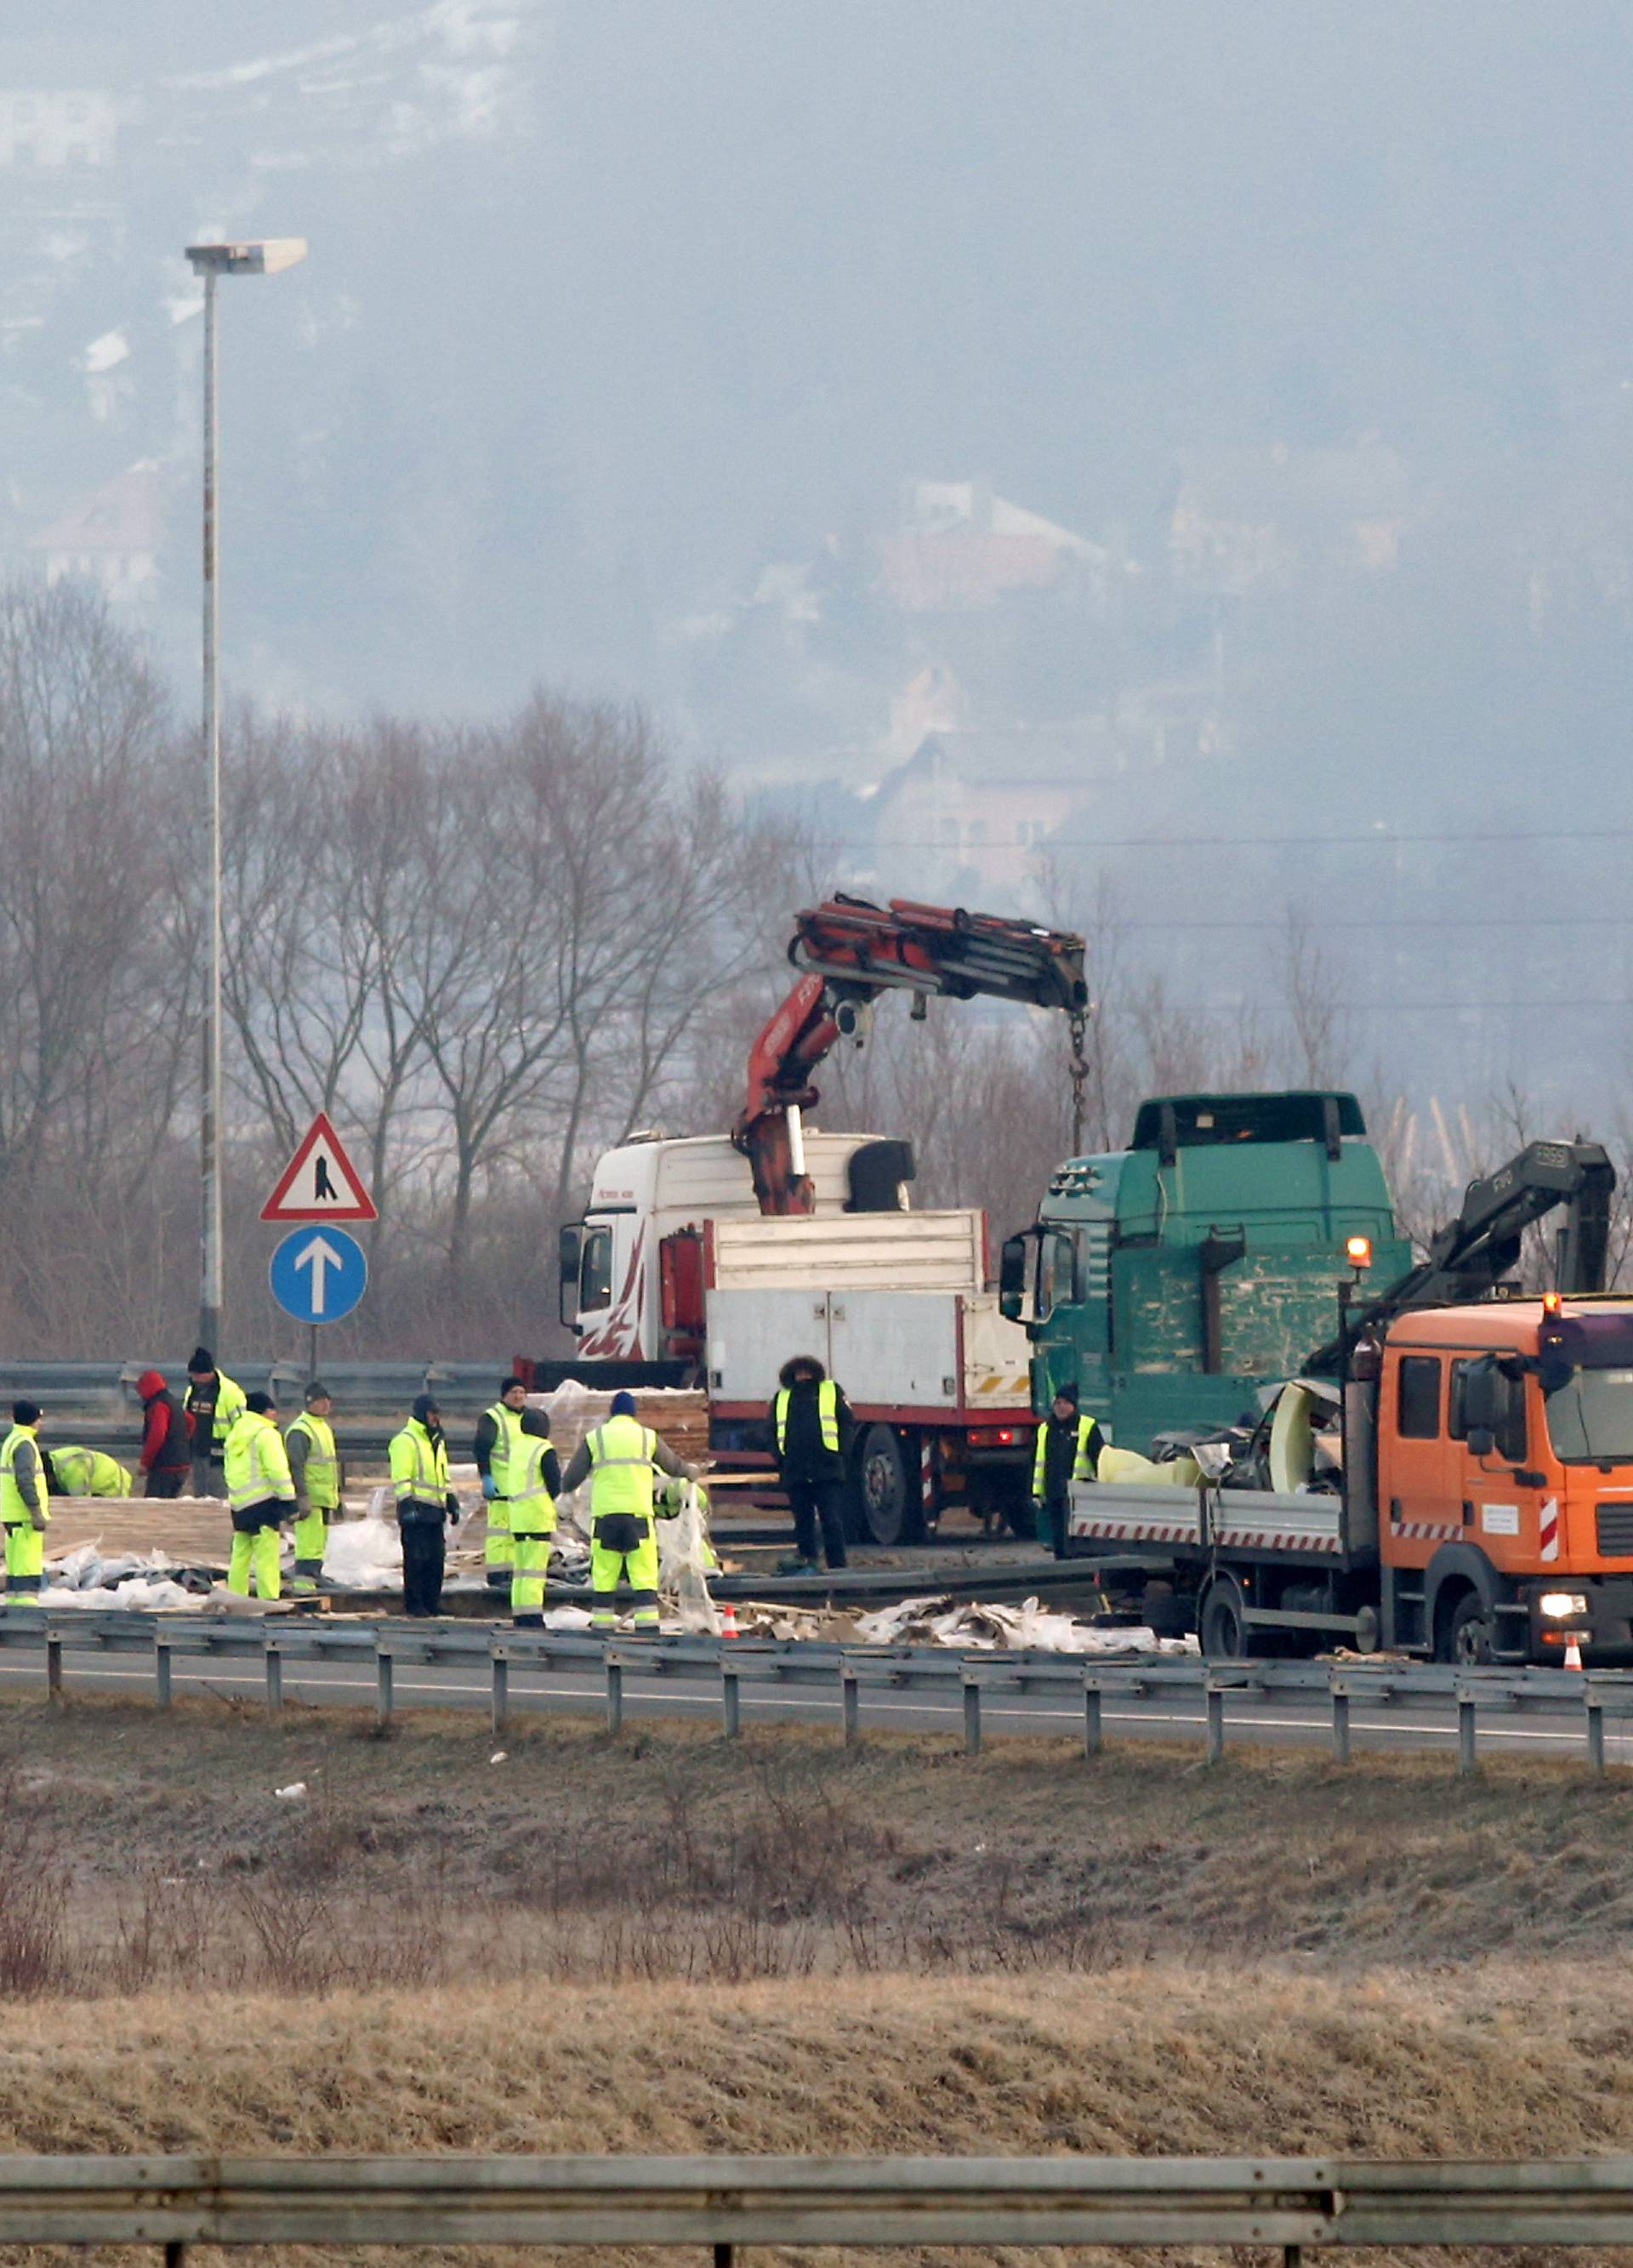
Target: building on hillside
(972,810)
(1244,516)
(58,114)
(959,547)
(112,539)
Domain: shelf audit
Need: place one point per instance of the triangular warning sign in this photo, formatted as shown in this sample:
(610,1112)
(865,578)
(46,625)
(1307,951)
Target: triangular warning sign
(319,1182)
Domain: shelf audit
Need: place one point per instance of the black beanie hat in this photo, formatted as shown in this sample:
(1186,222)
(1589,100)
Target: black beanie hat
(1068,1393)
(24,1413)
(262,1404)
(200,1360)
(425,1407)
(536,1422)
(316,1391)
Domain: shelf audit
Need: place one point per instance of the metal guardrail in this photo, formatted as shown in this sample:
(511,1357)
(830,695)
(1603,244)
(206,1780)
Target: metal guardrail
(727,2202)
(1088,1682)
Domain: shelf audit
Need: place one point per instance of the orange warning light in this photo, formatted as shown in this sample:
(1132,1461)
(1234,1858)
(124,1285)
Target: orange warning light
(1358,1251)
(1550,1303)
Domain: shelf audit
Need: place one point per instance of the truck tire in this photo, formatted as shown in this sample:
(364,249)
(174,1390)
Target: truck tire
(1222,1624)
(887,1491)
(1464,1636)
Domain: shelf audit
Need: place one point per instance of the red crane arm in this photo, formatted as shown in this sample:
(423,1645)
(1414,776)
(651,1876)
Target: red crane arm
(849,952)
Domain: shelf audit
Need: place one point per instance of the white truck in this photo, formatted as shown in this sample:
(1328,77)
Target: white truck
(675,1275)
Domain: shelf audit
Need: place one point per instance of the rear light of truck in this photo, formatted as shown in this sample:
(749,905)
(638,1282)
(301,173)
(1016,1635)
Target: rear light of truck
(993,1437)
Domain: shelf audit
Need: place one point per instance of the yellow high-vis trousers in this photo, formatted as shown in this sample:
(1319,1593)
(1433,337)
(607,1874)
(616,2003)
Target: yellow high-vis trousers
(499,1553)
(623,1560)
(25,1556)
(529,1569)
(256,1555)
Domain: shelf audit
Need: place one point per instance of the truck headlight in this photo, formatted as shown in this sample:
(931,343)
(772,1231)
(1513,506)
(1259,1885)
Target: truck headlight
(1556,1605)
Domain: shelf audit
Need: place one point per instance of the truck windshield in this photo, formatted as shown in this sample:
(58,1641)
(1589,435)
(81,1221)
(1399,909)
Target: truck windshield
(1591,1420)
(1590,1413)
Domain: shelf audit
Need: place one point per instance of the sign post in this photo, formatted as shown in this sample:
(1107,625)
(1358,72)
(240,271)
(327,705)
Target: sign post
(319,1273)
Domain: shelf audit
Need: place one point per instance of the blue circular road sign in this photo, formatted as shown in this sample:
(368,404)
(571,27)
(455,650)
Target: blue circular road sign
(319,1273)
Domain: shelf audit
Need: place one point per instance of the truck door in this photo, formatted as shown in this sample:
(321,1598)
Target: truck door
(1421,1507)
(1502,1497)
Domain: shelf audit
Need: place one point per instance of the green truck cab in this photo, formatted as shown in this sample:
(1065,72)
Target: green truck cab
(1169,1281)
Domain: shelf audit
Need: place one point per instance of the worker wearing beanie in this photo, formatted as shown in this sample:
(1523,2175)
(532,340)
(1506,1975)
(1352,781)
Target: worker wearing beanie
(1068,1449)
(419,1475)
(23,1500)
(619,1460)
(260,1496)
(164,1458)
(214,1403)
(319,1481)
(535,1484)
(74,1471)
(498,1449)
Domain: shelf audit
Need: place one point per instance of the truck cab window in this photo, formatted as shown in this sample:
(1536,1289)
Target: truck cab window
(595,1275)
(1417,1415)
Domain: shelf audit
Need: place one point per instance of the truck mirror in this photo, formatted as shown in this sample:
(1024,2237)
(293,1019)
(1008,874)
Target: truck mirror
(1012,1278)
(569,1251)
(1481,1440)
(1482,1390)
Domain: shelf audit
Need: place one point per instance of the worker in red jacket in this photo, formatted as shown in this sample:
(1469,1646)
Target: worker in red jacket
(165,1457)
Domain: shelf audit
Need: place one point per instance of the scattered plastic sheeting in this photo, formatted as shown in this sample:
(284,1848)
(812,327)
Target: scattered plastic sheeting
(977,1628)
(685,1563)
(139,1594)
(1127,1468)
(363,1555)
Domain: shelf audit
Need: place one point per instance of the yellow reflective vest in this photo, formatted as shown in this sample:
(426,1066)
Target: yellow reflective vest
(322,1467)
(1082,1467)
(621,1453)
(505,1458)
(255,1465)
(419,1466)
(16,1509)
(828,1412)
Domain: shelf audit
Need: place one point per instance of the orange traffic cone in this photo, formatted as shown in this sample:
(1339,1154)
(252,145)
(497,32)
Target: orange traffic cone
(1573,1652)
(728,1621)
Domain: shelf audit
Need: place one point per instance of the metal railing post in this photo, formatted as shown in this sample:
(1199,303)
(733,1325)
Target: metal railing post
(614,1695)
(275,1675)
(851,1700)
(1341,1725)
(382,1683)
(501,1666)
(972,1716)
(731,1699)
(1595,1714)
(54,1665)
(161,1669)
(1465,1734)
(1093,1738)
(1215,1724)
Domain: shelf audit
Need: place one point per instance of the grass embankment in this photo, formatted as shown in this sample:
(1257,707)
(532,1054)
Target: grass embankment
(670,1943)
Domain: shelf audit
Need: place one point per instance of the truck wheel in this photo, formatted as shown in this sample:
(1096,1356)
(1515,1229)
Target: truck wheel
(887,1489)
(1222,1627)
(1464,1635)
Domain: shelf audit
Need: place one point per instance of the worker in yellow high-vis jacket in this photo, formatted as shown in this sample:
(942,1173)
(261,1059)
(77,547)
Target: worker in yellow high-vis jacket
(620,1460)
(22,1505)
(1068,1449)
(535,1484)
(260,1496)
(319,1482)
(74,1471)
(498,1449)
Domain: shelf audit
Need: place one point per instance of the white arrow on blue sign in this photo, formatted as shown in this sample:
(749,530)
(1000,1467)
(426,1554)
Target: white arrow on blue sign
(317,1275)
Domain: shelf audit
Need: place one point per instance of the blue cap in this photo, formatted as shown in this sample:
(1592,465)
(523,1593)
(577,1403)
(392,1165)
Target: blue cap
(623,1404)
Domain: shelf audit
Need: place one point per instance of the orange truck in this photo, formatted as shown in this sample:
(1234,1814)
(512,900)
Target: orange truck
(1481,1508)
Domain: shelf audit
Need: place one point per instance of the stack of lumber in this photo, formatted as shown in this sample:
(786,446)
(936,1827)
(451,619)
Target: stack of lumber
(194,1531)
(678,1415)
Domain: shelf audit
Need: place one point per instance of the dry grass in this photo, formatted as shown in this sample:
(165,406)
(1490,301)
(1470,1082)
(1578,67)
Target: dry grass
(673,1943)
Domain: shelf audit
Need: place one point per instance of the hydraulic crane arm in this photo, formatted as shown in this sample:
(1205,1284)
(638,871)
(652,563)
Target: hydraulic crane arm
(1477,1249)
(849,952)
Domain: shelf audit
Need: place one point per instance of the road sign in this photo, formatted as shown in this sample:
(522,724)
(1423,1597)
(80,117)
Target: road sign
(317,1275)
(319,1182)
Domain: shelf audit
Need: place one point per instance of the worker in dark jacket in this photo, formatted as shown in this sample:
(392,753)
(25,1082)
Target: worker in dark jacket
(1068,1449)
(166,1456)
(811,1426)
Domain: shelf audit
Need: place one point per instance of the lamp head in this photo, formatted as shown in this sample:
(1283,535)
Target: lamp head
(262,256)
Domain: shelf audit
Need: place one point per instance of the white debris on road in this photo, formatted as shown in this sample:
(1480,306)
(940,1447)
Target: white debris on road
(978,1628)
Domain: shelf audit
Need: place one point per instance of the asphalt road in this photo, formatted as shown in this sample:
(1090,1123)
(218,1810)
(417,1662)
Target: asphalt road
(1301,1721)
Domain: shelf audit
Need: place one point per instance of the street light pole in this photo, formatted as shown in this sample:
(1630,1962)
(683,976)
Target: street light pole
(211,262)
(209,1305)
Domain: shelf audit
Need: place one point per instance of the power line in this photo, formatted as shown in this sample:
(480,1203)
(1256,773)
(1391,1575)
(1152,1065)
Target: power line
(1245,841)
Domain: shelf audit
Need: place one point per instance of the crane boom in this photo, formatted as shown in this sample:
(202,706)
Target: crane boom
(1472,1254)
(849,952)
